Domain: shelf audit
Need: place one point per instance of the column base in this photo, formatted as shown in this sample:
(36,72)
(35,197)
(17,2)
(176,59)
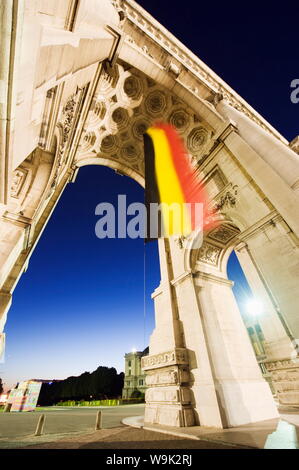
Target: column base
(285,379)
(282,347)
(168,398)
(169,415)
(245,402)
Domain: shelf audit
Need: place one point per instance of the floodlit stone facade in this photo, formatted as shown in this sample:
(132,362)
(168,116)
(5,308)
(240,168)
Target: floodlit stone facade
(134,381)
(81,81)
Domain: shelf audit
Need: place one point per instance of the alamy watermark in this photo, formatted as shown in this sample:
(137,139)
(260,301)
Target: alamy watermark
(295,93)
(138,220)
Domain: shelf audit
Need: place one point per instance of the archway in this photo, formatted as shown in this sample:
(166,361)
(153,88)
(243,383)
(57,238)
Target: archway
(97,107)
(251,309)
(89,310)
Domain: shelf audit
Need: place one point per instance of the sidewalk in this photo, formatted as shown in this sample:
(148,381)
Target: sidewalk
(280,433)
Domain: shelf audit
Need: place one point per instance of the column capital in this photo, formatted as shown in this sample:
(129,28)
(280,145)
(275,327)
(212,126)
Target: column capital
(182,277)
(201,276)
(241,246)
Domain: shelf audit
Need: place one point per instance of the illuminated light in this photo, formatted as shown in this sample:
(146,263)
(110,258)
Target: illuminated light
(254,307)
(134,350)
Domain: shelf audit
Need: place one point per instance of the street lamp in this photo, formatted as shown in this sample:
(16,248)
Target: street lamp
(254,307)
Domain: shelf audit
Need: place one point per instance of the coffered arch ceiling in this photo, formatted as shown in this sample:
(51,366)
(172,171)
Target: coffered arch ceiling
(125,104)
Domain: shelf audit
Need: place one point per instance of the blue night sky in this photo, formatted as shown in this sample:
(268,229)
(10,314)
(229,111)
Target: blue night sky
(81,302)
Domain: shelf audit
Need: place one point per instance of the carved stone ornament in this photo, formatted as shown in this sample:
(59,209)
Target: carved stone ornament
(132,87)
(223,234)
(177,356)
(109,77)
(129,152)
(65,123)
(120,117)
(180,241)
(100,109)
(173,69)
(167,377)
(155,103)
(18,179)
(295,144)
(109,144)
(196,139)
(183,241)
(180,120)
(139,128)
(228,199)
(209,254)
(68,114)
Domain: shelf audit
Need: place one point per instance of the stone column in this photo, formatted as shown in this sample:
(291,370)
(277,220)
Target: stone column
(202,368)
(274,168)
(201,381)
(168,398)
(278,344)
(281,347)
(243,394)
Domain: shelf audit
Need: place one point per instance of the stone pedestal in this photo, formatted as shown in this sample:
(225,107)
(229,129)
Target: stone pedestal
(168,399)
(285,379)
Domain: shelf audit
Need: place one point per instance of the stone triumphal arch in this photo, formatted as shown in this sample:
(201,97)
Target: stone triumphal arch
(81,82)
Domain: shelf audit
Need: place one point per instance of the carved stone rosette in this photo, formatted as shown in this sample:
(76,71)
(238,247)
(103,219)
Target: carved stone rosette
(285,379)
(168,398)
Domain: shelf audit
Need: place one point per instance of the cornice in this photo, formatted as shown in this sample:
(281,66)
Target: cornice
(181,278)
(167,41)
(211,277)
(269,219)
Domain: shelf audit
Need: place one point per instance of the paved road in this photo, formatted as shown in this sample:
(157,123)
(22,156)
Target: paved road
(130,438)
(63,420)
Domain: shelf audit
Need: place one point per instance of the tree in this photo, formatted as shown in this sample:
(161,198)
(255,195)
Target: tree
(102,383)
(1,386)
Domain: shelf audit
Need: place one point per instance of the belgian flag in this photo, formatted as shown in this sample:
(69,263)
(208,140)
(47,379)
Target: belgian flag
(171,182)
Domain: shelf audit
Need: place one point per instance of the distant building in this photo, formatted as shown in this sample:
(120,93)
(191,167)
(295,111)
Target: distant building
(258,343)
(24,397)
(3,398)
(134,381)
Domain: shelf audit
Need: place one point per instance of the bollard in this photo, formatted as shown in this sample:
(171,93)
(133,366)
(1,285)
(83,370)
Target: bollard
(7,408)
(40,425)
(98,421)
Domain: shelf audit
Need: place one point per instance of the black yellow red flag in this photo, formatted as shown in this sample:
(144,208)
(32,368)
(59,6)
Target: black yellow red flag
(171,183)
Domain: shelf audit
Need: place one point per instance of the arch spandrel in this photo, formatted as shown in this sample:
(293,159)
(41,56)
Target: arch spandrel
(213,252)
